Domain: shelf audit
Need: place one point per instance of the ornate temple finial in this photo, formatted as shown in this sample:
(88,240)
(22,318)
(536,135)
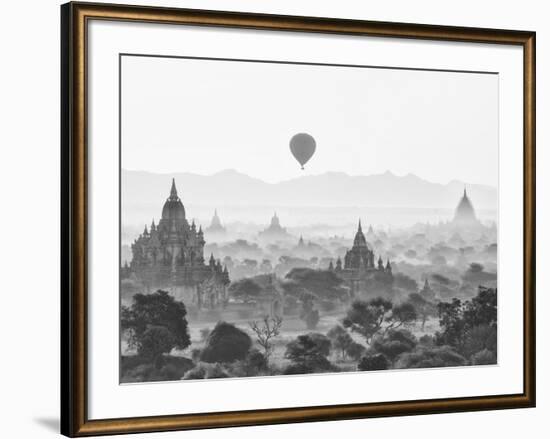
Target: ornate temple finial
(465,192)
(153,227)
(173,190)
(200,230)
(359,229)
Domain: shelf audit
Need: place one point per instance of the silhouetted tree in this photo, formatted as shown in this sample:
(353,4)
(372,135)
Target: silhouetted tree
(245,290)
(394,343)
(309,314)
(155,341)
(373,362)
(452,323)
(226,343)
(401,314)
(484,357)
(367,317)
(469,326)
(340,340)
(356,350)
(309,353)
(155,315)
(438,356)
(324,284)
(266,331)
(424,308)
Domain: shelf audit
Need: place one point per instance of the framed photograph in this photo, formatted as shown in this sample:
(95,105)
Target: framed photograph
(271,219)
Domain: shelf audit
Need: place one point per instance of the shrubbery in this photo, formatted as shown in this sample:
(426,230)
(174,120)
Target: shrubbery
(438,356)
(136,368)
(373,362)
(225,344)
(308,354)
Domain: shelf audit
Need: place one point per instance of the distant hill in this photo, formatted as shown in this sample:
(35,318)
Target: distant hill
(331,189)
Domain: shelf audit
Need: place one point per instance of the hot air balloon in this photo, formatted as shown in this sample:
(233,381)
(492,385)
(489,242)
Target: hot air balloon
(302,146)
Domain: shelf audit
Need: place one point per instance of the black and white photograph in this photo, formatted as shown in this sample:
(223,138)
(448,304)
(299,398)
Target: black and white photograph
(299,219)
(284,218)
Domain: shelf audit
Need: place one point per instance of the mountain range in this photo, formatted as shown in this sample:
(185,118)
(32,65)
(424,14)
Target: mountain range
(331,189)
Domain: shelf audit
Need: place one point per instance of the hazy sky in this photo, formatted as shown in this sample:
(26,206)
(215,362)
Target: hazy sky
(201,116)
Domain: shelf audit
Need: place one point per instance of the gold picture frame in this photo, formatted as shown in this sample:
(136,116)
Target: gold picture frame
(74,214)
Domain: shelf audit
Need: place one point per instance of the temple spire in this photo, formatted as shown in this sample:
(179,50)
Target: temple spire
(465,192)
(173,190)
(359,229)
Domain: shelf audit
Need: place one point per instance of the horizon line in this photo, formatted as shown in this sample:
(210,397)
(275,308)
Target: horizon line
(387,172)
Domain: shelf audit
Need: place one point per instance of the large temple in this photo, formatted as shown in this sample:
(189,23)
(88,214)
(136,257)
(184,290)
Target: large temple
(465,214)
(359,266)
(170,256)
(216,226)
(275,231)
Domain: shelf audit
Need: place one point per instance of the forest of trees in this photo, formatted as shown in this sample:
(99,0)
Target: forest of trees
(374,334)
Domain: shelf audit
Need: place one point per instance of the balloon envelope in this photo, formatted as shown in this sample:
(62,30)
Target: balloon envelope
(302,146)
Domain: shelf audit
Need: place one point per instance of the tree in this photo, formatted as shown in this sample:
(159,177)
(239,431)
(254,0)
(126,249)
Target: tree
(266,331)
(309,353)
(484,357)
(156,315)
(226,343)
(245,290)
(373,362)
(394,343)
(309,314)
(366,318)
(424,308)
(452,323)
(480,338)
(324,284)
(156,340)
(476,267)
(253,365)
(340,340)
(459,322)
(206,371)
(482,309)
(401,314)
(423,356)
(355,350)
(377,315)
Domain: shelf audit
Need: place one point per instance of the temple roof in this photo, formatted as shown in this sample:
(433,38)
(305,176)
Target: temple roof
(465,210)
(173,207)
(359,240)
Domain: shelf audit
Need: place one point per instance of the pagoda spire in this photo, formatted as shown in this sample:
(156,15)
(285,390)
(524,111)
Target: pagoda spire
(173,190)
(359,229)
